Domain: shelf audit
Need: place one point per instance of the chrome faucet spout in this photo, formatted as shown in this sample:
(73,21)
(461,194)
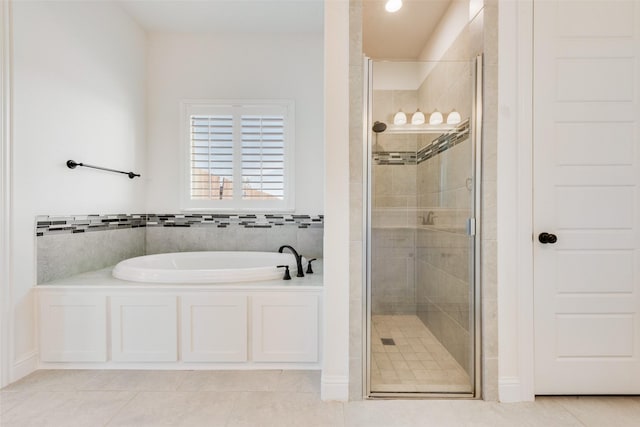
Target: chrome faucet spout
(298,258)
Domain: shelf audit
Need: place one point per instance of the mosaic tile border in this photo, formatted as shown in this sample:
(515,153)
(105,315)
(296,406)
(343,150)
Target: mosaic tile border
(395,158)
(437,146)
(245,220)
(50,224)
(444,142)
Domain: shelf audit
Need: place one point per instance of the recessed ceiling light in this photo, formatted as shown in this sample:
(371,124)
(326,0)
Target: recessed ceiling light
(393,5)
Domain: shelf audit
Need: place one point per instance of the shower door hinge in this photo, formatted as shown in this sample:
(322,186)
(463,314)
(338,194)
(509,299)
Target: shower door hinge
(471,226)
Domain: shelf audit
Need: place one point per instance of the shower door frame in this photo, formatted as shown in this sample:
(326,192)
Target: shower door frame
(475,259)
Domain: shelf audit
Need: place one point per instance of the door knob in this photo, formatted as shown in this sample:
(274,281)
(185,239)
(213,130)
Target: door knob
(547,238)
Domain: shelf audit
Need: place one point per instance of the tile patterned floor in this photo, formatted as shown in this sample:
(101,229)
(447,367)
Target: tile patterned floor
(416,363)
(90,398)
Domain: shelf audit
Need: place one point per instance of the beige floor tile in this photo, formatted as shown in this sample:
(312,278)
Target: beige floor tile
(421,374)
(377,348)
(399,365)
(490,414)
(418,348)
(202,408)
(395,413)
(431,365)
(299,381)
(424,356)
(54,380)
(381,356)
(405,374)
(67,409)
(231,381)
(10,399)
(299,407)
(260,409)
(405,348)
(401,341)
(390,374)
(385,364)
(415,364)
(411,354)
(130,380)
(395,357)
(595,411)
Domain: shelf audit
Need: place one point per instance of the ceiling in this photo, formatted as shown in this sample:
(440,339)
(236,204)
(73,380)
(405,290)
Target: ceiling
(228,16)
(403,34)
(399,35)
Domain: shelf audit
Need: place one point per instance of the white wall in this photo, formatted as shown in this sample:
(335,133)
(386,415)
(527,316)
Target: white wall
(79,93)
(5,194)
(453,22)
(514,208)
(335,363)
(233,66)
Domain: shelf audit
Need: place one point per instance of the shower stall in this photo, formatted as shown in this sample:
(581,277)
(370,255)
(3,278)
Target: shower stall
(423,187)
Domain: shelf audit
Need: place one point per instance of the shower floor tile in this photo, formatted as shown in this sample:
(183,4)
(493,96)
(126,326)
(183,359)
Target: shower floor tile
(417,362)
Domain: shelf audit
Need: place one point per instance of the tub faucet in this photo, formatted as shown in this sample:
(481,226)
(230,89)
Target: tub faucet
(298,258)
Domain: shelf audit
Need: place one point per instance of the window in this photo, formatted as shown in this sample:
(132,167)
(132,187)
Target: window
(239,155)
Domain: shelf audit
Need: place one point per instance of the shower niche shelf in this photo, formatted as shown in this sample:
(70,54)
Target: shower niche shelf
(409,129)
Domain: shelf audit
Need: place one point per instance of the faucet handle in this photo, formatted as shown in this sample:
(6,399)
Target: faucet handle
(287,276)
(309,270)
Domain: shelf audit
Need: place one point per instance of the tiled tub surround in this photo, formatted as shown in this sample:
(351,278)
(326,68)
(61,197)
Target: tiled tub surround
(70,245)
(66,254)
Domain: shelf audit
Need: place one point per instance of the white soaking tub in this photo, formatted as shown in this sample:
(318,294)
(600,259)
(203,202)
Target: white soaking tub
(206,267)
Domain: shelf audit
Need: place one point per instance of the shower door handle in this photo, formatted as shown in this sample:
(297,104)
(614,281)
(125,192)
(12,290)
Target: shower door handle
(545,238)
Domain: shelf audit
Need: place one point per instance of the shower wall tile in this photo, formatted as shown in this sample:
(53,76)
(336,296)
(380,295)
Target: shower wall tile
(382,106)
(444,197)
(356,206)
(489,218)
(393,142)
(64,255)
(393,287)
(356,212)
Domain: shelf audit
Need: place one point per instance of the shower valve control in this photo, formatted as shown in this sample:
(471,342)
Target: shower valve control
(545,238)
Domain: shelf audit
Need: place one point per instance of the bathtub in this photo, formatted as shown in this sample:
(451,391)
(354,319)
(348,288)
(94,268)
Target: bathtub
(205,267)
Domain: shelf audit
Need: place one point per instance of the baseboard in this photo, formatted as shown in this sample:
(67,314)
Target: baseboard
(24,366)
(334,388)
(510,390)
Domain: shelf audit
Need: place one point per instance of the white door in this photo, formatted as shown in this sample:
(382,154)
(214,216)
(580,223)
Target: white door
(586,192)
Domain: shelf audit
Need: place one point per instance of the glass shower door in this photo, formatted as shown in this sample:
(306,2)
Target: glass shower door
(421,234)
